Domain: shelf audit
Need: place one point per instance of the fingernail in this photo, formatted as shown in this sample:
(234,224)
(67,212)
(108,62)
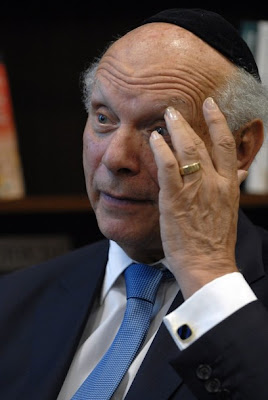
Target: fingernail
(172,113)
(155,135)
(210,104)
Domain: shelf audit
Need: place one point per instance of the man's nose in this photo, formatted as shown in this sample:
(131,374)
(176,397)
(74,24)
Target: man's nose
(122,154)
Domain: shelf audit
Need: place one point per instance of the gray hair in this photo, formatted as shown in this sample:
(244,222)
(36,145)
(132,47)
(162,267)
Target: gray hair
(88,79)
(241,98)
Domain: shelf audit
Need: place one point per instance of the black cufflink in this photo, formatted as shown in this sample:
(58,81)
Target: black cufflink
(184,332)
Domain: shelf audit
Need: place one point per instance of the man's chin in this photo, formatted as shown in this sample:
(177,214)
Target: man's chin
(120,234)
(133,240)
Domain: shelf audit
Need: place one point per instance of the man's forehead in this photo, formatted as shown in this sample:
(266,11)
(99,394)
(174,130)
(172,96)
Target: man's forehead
(175,60)
(102,92)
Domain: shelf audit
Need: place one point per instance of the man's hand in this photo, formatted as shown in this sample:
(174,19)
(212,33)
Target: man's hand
(199,211)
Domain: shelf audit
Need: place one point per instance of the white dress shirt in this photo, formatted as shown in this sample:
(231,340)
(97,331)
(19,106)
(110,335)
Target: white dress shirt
(201,312)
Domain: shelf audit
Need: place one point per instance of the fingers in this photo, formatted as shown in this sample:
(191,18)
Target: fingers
(188,147)
(185,151)
(182,138)
(169,177)
(224,146)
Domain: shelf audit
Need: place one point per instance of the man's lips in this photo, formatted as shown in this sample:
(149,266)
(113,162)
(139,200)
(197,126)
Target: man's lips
(121,199)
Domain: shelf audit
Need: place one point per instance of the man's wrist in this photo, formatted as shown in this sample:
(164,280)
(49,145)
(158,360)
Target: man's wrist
(191,279)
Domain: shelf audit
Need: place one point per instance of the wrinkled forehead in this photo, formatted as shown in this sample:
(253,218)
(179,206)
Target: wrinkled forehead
(156,94)
(163,56)
(161,63)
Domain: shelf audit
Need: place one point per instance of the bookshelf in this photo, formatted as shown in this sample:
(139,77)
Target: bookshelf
(47,204)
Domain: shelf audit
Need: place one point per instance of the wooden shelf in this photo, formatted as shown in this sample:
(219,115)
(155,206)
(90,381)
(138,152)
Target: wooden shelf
(46,204)
(80,203)
(253,200)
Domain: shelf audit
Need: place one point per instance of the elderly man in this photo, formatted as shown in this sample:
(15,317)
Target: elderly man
(176,112)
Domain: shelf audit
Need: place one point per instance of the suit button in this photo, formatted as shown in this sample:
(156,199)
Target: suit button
(203,372)
(213,385)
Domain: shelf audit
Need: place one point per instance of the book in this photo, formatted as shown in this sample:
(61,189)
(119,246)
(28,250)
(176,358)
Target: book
(12,185)
(255,33)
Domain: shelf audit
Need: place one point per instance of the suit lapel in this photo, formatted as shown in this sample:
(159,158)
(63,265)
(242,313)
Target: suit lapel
(72,296)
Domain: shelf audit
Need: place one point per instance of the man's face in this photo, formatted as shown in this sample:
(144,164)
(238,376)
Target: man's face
(129,99)
(120,171)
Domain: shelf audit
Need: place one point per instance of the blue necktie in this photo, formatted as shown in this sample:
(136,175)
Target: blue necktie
(142,283)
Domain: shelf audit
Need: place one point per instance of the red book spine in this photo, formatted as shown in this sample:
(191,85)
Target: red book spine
(11,172)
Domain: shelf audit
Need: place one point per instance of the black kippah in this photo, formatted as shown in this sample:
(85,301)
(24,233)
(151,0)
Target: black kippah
(214,30)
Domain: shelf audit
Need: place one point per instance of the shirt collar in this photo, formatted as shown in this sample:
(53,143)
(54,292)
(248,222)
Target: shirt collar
(117,262)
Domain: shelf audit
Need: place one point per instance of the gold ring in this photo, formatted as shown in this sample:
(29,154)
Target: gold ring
(191,168)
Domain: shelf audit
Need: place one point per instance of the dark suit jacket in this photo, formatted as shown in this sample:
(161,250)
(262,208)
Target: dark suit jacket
(43,311)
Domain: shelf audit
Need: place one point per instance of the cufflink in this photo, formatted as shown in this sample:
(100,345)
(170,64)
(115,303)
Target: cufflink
(184,332)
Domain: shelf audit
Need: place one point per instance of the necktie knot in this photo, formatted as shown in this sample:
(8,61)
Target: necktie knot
(142,281)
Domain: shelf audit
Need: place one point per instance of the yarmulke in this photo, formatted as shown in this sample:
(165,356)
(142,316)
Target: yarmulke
(214,30)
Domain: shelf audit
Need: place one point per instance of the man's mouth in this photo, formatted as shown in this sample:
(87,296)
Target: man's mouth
(121,200)
(122,197)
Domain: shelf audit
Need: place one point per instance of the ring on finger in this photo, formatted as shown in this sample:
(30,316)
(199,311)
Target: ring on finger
(190,168)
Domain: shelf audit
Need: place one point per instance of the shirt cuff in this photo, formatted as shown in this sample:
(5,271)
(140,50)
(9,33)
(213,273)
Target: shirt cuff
(209,306)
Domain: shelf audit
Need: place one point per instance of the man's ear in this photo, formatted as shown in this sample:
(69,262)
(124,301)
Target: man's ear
(249,140)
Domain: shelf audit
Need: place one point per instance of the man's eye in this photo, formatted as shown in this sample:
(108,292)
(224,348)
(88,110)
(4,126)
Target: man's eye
(161,130)
(102,119)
